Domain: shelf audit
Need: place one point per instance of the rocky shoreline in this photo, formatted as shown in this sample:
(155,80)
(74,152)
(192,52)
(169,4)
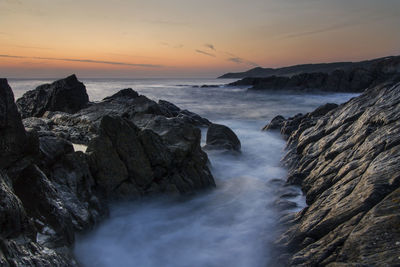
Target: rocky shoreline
(131,147)
(345,158)
(354,78)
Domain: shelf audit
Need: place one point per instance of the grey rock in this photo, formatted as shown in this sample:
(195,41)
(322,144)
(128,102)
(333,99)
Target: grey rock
(67,95)
(221,137)
(275,124)
(346,163)
(13,138)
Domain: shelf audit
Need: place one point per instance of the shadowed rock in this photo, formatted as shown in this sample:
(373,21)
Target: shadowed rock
(346,161)
(67,95)
(221,137)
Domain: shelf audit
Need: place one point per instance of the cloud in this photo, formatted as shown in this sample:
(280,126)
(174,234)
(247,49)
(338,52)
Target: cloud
(205,53)
(172,45)
(86,61)
(239,60)
(320,30)
(338,26)
(168,22)
(210,46)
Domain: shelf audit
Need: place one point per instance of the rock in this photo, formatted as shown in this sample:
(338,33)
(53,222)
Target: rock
(322,110)
(66,95)
(354,79)
(169,108)
(13,138)
(117,155)
(13,216)
(209,86)
(275,124)
(345,159)
(221,137)
(388,65)
(124,93)
(48,192)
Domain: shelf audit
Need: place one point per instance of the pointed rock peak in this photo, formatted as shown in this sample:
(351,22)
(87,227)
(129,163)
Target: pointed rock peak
(124,93)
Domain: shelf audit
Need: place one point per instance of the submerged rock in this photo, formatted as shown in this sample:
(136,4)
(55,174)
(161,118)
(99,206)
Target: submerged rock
(221,137)
(66,95)
(346,161)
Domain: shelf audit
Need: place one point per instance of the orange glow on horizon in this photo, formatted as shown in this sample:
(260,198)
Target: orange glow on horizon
(157,39)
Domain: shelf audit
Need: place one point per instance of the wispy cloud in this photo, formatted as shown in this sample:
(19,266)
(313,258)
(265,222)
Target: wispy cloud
(239,60)
(168,22)
(86,61)
(32,47)
(210,46)
(204,53)
(172,45)
(320,30)
(338,26)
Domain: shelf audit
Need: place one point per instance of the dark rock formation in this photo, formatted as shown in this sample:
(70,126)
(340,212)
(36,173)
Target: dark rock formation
(221,137)
(386,64)
(356,80)
(15,143)
(48,192)
(275,124)
(67,95)
(346,162)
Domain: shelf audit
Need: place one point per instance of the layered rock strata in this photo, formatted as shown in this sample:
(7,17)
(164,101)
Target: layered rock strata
(345,159)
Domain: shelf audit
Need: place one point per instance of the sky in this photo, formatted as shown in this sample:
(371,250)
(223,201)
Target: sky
(188,38)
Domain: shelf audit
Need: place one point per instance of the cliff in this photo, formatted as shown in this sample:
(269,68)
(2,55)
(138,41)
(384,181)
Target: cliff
(345,158)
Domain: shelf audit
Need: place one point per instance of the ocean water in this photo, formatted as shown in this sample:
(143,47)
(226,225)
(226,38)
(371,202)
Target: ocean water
(231,225)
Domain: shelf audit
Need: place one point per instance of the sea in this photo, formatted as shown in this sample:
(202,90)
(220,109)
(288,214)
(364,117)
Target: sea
(234,224)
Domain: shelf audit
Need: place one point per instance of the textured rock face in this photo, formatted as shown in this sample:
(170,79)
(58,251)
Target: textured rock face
(12,133)
(221,137)
(346,162)
(48,192)
(67,95)
(355,80)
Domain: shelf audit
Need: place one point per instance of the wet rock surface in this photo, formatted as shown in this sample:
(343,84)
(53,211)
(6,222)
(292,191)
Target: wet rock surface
(345,159)
(221,137)
(48,192)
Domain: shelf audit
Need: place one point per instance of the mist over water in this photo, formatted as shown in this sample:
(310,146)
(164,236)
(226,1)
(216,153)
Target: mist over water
(231,225)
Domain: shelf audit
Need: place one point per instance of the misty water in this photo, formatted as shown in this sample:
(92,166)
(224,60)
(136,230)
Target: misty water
(231,225)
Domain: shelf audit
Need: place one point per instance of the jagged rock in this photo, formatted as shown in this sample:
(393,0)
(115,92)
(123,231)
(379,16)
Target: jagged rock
(13,138)
(13,216)
(355,79)
(221,137)
(169,108)
(67,95)
(118,156)
(124,93)
(346,162)
(275,124)
(48,192)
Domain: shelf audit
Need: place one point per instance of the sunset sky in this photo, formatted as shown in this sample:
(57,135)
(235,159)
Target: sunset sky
(188,38)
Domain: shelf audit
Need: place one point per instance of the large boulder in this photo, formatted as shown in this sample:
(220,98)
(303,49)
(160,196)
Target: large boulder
(345,159)
(221,137)
(163,157)
(14,143)
(67,95)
